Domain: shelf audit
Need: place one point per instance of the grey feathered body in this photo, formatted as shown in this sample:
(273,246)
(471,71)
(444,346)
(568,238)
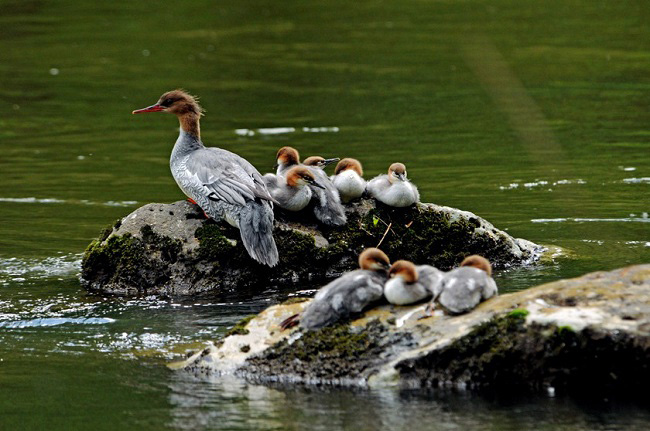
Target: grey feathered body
(395,194)
(398,292)
(227,187)
(326,202)
(463,288)
(349,184)
(351,293)
(290,198)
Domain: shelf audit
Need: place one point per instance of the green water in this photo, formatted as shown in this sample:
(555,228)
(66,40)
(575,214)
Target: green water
(533,115)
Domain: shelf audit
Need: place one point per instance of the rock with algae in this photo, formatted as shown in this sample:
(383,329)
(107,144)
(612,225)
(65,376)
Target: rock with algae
(587,334)
(170,249)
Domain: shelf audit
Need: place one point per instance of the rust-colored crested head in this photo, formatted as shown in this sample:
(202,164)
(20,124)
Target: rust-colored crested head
(349,164)
(313,161)
(318,161)
(374,259)
(404,269)
(299,176)
(479,262)
(181,104)
(288,156)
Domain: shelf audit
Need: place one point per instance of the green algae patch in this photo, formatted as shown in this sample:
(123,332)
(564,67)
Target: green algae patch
(240,327)
(126,260)
(518,313)
(421,234)
(330,342)
(336,352)
(299,253)
(213,245)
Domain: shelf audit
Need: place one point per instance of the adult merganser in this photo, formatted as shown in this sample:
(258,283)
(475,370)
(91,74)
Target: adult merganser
(223,184)
(348,179)
(291,191)
(463,288)
(394,189)
(351,293)
(409,284)
(327,202)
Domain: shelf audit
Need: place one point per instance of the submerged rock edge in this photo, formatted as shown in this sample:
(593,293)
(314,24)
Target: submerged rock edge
(171,250)
(590,333)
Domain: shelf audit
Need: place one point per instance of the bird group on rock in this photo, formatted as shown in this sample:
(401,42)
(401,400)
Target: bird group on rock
(227,187)
(402,283)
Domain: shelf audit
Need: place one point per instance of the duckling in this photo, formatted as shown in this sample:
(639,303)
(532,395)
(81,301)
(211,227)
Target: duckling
(319,162)
(327,203)
(286,158)
(291,192)
(348,179)
(463,288)
(394,189)
(409,284)
(349,294)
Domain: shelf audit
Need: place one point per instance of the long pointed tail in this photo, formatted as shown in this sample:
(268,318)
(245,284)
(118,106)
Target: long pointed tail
(256,229)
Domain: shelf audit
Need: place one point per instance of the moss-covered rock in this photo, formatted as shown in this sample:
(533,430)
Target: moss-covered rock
(171,249)
(586,334)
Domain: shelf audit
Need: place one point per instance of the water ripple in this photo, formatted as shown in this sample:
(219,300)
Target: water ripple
(643,180)
(284,130)
(14,269)
(34,200)
(55,321)
(541,183)
(645,219)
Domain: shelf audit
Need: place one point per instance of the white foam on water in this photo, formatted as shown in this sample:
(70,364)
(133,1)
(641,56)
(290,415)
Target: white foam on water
(19,270)
(583,220)
(643,180)
(55,321)
(542,183)
(284,130)
(34,200)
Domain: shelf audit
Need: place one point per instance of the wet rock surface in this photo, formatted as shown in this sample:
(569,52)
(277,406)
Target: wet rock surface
(172,250)
(581,335)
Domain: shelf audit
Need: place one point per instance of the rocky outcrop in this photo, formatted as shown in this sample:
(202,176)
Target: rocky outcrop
(171,249)
(586,334)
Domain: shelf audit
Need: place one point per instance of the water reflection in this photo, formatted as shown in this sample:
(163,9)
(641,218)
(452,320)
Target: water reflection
(228,403)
